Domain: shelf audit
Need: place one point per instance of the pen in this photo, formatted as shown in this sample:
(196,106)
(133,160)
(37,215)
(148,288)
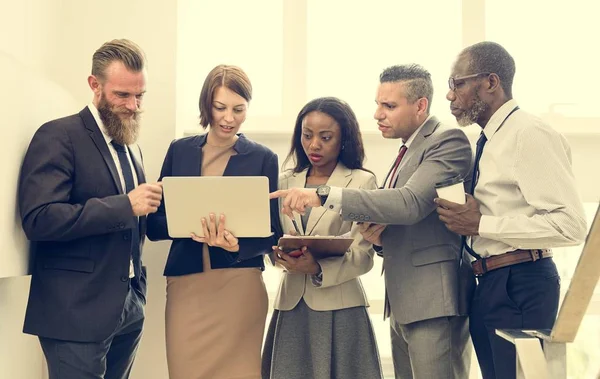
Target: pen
(296,227)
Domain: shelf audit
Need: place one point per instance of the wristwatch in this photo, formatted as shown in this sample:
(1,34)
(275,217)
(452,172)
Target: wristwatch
(323,193)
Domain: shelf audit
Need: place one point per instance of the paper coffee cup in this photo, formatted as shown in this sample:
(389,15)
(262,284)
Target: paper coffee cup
(452,189)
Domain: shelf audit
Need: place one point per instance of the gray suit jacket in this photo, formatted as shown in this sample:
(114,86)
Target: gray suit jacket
(425,276)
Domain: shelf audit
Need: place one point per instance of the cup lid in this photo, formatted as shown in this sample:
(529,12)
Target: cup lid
(449,182)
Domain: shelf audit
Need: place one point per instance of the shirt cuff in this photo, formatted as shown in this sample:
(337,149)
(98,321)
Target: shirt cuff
(334,200)
(487,226)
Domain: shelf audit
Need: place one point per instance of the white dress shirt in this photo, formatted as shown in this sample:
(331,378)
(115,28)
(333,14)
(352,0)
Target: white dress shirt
(526,188)
(115,157)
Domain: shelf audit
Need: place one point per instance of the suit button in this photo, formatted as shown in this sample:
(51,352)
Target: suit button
(125,237)
(351,216)
(124,278)
(367,218)
(361,217)
(121,225)
(331,207)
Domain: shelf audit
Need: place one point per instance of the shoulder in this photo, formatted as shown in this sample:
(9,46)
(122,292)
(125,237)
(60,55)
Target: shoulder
(61,129)
(362,176)
(447,139)
(186,141)
(63,124)
(285,177)
(250,146)
(445,132)
(528,125)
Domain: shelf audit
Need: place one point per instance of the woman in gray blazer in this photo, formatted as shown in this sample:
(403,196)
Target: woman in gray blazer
(320,328)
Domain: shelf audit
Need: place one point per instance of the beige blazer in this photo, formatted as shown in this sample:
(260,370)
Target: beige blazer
(341,287)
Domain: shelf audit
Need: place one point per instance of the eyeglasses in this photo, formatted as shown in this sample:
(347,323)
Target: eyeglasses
(453,83)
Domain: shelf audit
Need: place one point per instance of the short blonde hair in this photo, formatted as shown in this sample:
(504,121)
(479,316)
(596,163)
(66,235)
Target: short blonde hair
(121,50)
(231,77)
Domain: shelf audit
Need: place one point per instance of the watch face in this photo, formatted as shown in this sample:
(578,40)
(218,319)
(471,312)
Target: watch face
(323,190)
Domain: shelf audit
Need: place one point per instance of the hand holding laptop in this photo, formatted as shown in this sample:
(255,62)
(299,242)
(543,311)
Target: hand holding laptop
(217,236)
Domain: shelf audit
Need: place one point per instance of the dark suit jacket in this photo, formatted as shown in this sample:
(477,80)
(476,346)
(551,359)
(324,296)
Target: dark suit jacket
(74,212)
(184,158)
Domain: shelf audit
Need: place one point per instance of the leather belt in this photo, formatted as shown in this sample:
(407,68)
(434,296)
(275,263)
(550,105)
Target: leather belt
(481,266)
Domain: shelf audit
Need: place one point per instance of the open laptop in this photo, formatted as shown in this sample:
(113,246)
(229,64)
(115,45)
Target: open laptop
(243,199)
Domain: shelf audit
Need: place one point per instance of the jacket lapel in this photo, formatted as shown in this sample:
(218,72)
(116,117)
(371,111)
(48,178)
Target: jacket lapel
(340,177)
(427,130)
(98,138)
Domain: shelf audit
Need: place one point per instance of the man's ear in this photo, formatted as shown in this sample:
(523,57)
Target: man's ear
(94,84)
(422,105)
(494,82)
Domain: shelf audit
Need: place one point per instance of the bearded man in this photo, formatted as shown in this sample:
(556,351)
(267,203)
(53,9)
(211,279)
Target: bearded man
(523,201)
(83,202)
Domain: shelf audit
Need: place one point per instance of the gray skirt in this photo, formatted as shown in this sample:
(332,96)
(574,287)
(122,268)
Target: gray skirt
(307,344)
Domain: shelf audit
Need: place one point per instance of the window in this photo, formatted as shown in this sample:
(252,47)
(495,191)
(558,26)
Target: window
(554,44)
(211,33)
(348,50)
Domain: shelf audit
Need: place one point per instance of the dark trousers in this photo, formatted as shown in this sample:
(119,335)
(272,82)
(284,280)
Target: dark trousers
(108,359)
(522,296)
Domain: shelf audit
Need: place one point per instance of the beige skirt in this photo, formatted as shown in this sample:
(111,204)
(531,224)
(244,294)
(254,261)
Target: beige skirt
(215,323)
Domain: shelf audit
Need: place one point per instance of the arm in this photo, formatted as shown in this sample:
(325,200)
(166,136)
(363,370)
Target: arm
(543,173)
(45,187)
(157,222)
(252,247)
(449,156)
(356,262)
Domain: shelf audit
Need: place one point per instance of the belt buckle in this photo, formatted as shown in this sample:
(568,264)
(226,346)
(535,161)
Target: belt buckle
(532,254)
(484,269)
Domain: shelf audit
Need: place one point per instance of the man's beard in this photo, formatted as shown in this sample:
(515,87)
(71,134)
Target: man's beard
(124,132)
(473,114)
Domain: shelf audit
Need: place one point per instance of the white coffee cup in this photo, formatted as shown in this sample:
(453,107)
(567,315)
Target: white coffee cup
(452,189)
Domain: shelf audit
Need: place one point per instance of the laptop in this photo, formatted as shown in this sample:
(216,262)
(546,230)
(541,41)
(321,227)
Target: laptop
(243,199)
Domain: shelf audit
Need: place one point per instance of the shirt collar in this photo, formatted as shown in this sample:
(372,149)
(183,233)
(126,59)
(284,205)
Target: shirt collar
(415,133)
(498,118)
(96,114)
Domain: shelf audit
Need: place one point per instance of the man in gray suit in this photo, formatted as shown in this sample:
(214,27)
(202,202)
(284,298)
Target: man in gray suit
(427,286)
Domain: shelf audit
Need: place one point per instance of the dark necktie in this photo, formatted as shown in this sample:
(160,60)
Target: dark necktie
(129,185)
(393,170)
(478,152)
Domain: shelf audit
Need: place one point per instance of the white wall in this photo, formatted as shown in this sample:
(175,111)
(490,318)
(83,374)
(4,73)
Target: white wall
(49,45)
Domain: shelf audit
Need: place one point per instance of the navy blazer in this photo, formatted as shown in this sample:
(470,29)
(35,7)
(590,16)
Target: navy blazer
(80,223)
(184,158)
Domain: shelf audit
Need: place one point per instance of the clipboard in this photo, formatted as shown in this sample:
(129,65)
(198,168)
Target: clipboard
(320,246)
